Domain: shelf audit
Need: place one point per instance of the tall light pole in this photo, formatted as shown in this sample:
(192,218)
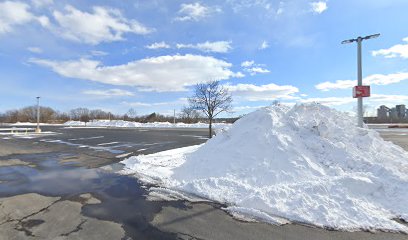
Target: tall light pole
(38,130)
(359,40)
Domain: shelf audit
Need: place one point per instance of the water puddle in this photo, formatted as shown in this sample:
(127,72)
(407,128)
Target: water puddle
(123,198)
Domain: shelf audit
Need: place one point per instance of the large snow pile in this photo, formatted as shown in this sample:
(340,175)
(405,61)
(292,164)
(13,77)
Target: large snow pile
(308,163)
(128,124)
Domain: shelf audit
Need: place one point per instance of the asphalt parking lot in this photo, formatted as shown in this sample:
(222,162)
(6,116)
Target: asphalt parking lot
(64,184)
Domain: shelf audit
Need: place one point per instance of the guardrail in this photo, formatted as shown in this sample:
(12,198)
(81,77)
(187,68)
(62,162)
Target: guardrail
(17,130)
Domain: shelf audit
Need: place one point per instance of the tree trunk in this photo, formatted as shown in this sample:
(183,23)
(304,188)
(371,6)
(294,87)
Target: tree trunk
(210,128)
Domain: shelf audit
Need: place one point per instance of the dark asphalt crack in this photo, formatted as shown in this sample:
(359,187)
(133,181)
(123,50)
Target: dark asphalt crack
(77,229)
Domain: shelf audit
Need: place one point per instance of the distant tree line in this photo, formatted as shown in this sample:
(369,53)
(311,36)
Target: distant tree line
(50,115)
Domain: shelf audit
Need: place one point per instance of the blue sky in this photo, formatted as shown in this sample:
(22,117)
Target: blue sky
(148,55)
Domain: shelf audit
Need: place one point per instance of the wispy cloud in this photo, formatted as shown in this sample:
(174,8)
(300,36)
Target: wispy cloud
(375,100)
(42,3)
(266,92)
(164,73)
(375,79)
(329,101)
(252,68)
(98,53)
(218,47)
(399,50)
(318,7)
(108,93)
(195,11)
(264,45)
(180,101)
(35,49)
(157,45)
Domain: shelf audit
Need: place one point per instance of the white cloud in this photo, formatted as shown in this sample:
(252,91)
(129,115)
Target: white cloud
(375,100)
(102,25)
(399,50)
(264,45)
(108,93)
(158,45)
(318,7)
(195,12)
(243,5)
(42,3)
(219,46)
(388,99)
(98,53)
(266,92)
(280,10)
(44,21)
(245,108)
(339,84)
(12,14)
(164,73)
(375,79)
(330,101)
(35,49)
(247,63)
(252,68)
(177,102)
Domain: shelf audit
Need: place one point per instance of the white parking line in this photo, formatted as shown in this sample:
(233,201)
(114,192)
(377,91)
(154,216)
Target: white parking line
(75,139)
(123,155)
(109,143)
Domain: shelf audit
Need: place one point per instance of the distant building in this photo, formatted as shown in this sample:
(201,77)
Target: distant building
(401,111)
(382,112)
(398,113)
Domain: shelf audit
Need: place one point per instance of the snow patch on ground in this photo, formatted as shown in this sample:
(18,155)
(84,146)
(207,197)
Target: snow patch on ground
(307,163)
(32,124)
(127,124)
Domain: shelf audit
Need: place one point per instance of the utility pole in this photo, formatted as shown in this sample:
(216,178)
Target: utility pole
(174,117)
(360,91)
(38,130)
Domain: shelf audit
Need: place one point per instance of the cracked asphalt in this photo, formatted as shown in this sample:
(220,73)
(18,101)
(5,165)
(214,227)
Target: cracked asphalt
(60,187)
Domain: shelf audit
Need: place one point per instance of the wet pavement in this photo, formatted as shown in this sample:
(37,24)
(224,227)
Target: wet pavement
(122,197)
(67,165)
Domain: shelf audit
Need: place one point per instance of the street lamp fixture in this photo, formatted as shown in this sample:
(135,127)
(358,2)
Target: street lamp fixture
(38,130)
(358,95)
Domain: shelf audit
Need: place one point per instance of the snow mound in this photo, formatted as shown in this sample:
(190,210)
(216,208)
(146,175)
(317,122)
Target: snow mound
(308,164)
(128,124)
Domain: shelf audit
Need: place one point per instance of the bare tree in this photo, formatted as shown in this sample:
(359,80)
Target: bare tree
(189,115)
(11,116)
(98,114)
(132,114)
(212,99)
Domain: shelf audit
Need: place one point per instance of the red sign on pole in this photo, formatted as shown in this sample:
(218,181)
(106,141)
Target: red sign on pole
(361,91)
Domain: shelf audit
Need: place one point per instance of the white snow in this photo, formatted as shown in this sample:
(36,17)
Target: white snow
(307,163)
(127,124)
(32,124)
(124,155)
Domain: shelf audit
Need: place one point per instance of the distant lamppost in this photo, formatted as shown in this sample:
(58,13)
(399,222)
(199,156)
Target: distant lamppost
(360,91)
(38,130)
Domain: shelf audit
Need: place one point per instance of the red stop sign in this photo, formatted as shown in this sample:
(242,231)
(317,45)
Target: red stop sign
(361,91)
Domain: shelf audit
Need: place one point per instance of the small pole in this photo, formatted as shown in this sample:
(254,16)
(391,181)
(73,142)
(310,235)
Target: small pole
(359,83)
(174,117)
(360,119)
(38,130)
